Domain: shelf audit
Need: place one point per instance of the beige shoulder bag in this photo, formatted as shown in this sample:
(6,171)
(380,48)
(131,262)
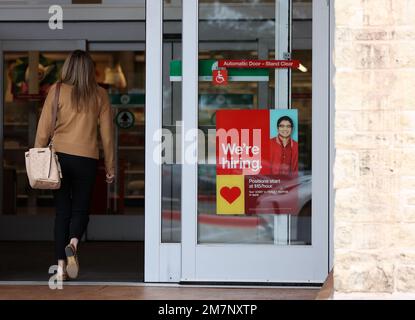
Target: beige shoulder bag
(42,165)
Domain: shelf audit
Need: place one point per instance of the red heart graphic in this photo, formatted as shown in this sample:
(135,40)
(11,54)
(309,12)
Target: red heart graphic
(230,194)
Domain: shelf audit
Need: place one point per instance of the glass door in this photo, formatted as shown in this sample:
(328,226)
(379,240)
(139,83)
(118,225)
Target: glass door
(255,148)
(30,68)
(120,69)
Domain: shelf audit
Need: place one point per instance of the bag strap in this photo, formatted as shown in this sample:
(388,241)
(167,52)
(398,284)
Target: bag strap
(55,109)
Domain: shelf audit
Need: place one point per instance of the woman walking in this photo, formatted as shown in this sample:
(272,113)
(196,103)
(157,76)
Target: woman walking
(82,106)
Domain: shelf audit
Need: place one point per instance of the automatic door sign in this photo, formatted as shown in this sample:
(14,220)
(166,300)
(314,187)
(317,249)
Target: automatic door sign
(125,119)
(259,64)
(206,68)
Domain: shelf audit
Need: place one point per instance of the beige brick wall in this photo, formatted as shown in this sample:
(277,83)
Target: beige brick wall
(375,147)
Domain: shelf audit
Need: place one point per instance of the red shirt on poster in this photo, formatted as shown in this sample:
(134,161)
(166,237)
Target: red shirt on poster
(284,159)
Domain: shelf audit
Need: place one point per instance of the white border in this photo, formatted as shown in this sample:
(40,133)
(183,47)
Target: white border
(190,116)
(153,115)
(321,130)
(282,32)
(120,11)
(332,148)
(73,12)
(1,123)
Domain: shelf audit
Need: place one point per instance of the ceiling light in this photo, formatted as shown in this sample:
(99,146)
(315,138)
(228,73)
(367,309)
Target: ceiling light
(302,68)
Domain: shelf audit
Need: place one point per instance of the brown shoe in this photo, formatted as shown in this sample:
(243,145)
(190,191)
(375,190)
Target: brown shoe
(72,267)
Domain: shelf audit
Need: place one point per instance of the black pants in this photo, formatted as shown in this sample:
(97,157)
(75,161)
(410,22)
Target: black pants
(73,199)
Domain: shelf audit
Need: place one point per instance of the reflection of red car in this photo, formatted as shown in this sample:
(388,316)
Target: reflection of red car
(234,228)
(281,198)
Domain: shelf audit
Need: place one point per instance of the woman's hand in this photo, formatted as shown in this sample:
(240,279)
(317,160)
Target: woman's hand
(110,178)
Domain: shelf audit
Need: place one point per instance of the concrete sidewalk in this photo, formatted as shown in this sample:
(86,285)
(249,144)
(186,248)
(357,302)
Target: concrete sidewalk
(151,292)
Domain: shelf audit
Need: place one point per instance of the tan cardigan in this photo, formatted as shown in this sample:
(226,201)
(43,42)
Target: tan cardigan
(76,132)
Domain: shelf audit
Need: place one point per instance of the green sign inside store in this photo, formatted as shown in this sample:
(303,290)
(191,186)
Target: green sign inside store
(206,67)
(206,101)
(226,101)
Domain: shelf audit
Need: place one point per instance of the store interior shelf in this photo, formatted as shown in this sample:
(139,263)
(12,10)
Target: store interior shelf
(16,148)
(140,171)
(130,148)
(134,171)
(16,124)
(209,126)
(42,196)
(25,196)
(135,197)
(45,196)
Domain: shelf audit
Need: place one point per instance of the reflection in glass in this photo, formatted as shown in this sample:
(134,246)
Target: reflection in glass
(122,74)
(27,79)
(247,31)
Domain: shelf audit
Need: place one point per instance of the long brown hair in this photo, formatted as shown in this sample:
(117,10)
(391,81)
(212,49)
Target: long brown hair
(79,71)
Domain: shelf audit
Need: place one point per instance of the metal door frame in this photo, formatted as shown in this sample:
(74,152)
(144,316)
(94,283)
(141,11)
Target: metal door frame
(198,260)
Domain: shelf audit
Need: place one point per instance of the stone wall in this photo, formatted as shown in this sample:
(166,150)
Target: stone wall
(375,147)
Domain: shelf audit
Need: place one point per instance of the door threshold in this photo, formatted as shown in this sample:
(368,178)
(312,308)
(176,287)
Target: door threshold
(166,284)
(264,285)
(75,283)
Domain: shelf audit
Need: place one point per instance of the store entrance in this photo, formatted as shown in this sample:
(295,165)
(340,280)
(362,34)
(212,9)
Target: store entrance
(113,246)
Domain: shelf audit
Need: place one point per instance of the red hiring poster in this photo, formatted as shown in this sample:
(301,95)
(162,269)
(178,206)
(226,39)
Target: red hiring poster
(257,162)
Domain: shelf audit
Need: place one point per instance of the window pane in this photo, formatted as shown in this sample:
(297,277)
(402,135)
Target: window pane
(248,31)
(172,115)
(122,74)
